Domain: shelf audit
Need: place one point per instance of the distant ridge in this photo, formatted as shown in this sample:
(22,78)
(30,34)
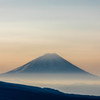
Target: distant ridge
(49,63)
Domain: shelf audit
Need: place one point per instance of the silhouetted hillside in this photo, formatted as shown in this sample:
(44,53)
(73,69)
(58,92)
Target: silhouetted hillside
(9,91)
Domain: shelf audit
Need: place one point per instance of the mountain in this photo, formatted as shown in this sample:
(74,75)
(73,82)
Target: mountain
(49,63)
(10,91)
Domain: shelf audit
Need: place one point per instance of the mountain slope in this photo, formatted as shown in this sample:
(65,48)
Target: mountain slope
(9,91)
(49,63)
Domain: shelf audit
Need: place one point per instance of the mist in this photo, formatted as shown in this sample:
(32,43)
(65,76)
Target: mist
(62,82)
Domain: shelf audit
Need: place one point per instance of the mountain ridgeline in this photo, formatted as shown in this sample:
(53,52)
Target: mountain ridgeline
(50,63)
(9,91)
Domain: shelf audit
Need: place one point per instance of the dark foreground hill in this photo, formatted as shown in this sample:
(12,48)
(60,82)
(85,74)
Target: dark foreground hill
(9,91)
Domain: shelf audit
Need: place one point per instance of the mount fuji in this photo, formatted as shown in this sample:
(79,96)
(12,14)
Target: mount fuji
(49,63)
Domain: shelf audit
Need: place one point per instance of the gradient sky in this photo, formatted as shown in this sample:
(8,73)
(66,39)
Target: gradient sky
(31,28)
